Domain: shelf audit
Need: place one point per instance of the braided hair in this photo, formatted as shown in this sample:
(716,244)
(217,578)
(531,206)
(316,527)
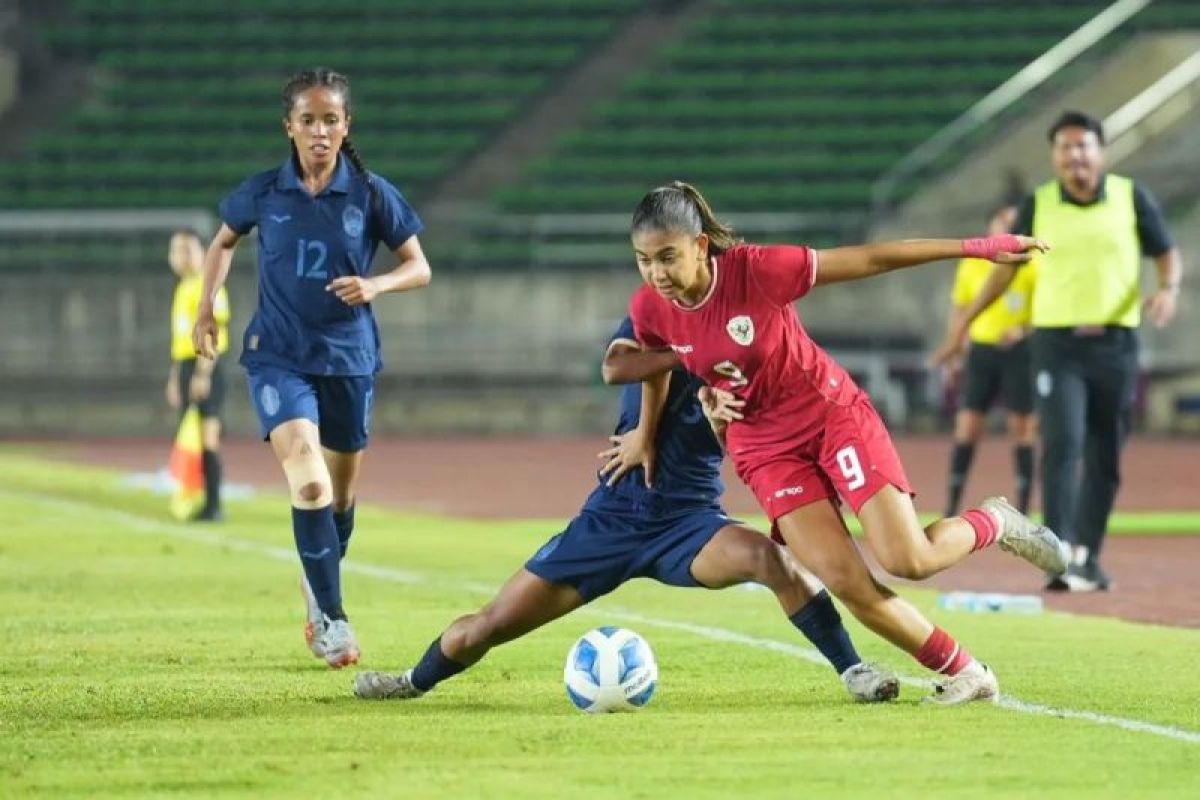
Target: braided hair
(337,82)
(678,206)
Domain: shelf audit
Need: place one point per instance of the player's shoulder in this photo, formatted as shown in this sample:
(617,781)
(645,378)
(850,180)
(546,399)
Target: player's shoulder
(259,183)
(645,301)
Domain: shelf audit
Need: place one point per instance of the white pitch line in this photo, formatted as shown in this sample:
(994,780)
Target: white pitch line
(151,526)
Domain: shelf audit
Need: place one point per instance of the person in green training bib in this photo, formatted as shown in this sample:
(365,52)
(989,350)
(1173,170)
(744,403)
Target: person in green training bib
(1084,346)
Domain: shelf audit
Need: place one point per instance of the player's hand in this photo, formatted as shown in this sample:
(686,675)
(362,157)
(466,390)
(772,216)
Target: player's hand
(172,392)
(204,334)
(719,406)
(1161,306)
(629,451)
(1004,248)
(199,387)
(948,353)
(353,290)
(1029,246)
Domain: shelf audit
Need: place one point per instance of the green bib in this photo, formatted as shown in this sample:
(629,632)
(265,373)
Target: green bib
(1090,276)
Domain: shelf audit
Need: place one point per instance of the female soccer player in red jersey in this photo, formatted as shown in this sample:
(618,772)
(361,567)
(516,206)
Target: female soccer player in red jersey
(801,432)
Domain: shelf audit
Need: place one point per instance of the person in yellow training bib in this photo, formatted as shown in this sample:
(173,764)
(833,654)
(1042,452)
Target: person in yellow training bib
(1084,344)
(996,365)
(195,379)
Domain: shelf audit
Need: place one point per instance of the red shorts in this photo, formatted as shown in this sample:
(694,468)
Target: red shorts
(852,456)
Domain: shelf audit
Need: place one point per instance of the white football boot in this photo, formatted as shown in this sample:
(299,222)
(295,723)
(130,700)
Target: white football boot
(975,682)
(338,644)
(382,686)
(1022,537)
(868,683)
(314,625)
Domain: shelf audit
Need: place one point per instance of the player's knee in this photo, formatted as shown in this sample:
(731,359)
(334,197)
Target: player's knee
(308,480)
(310,492)
(768,565)
(903,564)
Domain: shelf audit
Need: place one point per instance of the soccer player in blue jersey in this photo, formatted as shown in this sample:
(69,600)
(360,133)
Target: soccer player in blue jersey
(311,351)
(675,532)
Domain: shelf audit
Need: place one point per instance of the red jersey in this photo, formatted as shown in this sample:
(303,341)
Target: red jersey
(745,337)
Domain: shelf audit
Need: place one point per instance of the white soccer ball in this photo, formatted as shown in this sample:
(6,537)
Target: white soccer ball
(610,669)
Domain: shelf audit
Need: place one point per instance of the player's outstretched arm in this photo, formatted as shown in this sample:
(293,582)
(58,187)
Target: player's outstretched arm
(955,343)
(867,260)
(217,261)
(625,362)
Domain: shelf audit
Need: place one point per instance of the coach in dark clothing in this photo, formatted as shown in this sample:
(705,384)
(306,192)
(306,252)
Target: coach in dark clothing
(1086,310)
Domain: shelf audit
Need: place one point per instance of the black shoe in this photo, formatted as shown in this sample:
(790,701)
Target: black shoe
(209,515)
(1087,577)
(1056,583)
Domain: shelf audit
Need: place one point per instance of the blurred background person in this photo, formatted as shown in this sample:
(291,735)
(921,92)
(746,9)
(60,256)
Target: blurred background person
(192,379)
(1086,312)
(996,366)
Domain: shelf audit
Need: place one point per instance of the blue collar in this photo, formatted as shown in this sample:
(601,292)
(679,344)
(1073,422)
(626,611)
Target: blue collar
(289,178)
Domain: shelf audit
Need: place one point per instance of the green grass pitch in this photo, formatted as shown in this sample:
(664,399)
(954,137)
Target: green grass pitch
(145,658)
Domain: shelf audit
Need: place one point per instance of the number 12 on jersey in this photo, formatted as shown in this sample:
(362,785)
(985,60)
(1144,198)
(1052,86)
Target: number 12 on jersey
(313,268)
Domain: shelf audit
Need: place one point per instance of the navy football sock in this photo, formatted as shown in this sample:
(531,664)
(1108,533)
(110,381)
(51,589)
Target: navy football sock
(211,461)
(317,544)
(1023,461)
(344,521)
(434,667)
(820,623)
(960,464)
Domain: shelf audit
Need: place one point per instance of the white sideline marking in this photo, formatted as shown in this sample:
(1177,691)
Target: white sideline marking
(190,533)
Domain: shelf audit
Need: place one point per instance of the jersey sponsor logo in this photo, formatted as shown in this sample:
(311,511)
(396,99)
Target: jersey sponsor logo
(268,398)
(789,491)
(682,349)
(280,218)
(352,221)
(741,330)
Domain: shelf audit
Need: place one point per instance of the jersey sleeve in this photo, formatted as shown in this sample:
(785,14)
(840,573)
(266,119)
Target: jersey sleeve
(1151,226)
(397,220)
(239,209)
(960,295)
(784,272)
(624,333)
(643,317)
(1023,224)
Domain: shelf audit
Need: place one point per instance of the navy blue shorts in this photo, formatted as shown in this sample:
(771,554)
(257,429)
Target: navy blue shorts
(339,405)
(614,541)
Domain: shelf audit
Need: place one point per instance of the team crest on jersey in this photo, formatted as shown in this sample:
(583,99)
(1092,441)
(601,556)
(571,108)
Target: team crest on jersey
(741,330)
(352,221)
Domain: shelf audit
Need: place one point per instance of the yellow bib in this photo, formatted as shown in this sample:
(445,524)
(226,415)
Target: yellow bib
(1090,276)
(183,318)
(1010,310)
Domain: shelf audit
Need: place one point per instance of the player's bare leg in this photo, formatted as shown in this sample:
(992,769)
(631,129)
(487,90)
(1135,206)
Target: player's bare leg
(525,603)
(907,550)
(737,554)
(818,538)
(296,444)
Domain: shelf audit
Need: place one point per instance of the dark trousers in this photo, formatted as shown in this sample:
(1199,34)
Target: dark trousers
(1085,388)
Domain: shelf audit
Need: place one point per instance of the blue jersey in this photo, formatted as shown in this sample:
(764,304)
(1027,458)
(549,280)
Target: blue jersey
(688,467)
(304,242)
